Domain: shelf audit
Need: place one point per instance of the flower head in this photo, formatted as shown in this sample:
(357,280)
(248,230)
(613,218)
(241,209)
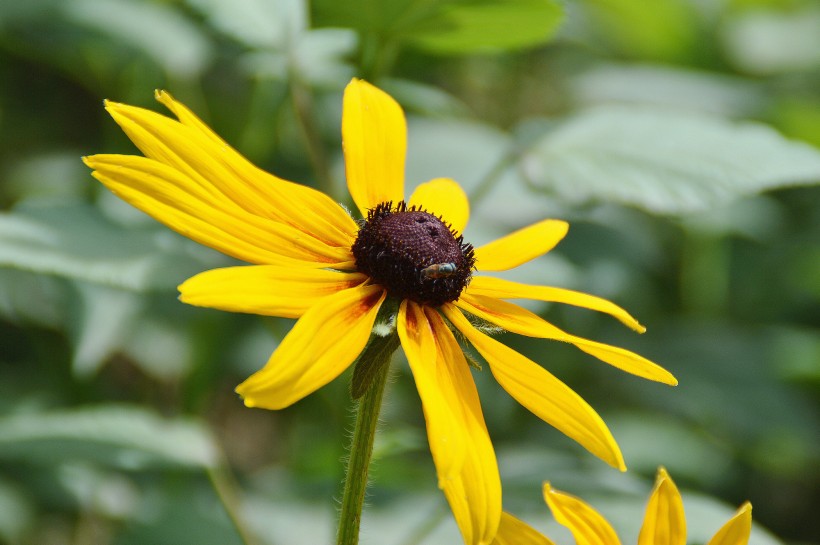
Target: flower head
(310,260)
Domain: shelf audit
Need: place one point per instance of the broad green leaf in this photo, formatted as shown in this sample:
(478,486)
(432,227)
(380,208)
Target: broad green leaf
(450,27)
(255,23)
(157,29)
(768,42)
(16,512)
(666,162)
(76,241)
(376,16)
(117,435)
(487,26)
(663,30)
(664,86)
(101,324)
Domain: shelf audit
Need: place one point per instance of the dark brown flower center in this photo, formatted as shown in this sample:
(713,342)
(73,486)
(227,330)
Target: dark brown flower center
(413,254)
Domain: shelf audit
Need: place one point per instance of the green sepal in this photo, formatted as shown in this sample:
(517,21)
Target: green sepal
(375,355)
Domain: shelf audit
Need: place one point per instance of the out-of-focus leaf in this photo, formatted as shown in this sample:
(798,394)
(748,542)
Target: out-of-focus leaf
(450,27)
(659,85)
(259,24)
(664,161)
(102,323)
(799,118)
(16,513)
(76,241)
(26,297)
(422,98)
(772,42)
(318,56)
(663,30)
(705,516)
(116,435)
(185,512)
(458,28)
(57,174)
(159,30)
(105,491)
(650,440)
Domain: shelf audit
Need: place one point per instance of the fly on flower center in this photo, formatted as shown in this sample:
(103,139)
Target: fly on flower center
(413,254)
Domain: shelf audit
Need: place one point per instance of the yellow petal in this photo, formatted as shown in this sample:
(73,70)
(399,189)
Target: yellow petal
(322,344)
(182,204)
(512,531)
(443,197)
(519,320)
(265,289)
(664,522)
(588,527)
(196,152)
(540,392)
(521,246)
(445,430)
(478,486)
(374,137)
(505,289)
(461,447)
(737,530)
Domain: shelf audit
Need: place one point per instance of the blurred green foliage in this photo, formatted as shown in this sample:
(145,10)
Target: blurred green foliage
(679,138)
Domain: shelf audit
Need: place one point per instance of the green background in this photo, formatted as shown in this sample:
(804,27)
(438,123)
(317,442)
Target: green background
(678,137)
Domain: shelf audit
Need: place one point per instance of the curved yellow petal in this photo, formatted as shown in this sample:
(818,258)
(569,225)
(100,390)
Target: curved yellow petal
(513,531)
(374,138)
(588,527)
(178,201)
(519,320)
(505,289)
(196,152)
(520,246)
(475,495)
(664,522)
(443,197)
(461,447)
(737,529)
(445,431)
(540,392)
(265,289)
(322,344)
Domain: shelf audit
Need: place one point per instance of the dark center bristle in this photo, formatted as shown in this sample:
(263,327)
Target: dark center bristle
(413,254)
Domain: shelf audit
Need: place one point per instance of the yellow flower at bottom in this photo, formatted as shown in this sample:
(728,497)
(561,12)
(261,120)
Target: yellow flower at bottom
(663,524)
(312,261)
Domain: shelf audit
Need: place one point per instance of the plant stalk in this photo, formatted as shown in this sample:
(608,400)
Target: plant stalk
(361,449)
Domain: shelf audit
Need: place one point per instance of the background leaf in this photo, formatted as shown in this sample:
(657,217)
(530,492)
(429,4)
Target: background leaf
(666,162)
(77,241)
(485,26)
(119,436)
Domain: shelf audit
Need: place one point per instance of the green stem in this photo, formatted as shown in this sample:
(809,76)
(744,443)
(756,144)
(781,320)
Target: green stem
(361,449)
(225,488)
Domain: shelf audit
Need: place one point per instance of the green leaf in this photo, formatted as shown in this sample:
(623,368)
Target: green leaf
(487,26)
(663,30)
(157,29)
(452,27)
(666,162)
(117,435)
(77,241)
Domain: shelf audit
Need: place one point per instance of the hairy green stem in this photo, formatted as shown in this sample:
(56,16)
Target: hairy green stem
(361,449)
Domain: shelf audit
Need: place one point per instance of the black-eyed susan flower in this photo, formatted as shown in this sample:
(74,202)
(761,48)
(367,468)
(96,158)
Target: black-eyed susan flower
(663,524)
(312,261)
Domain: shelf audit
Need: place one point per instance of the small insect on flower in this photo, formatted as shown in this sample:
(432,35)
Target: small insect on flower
(439,270)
